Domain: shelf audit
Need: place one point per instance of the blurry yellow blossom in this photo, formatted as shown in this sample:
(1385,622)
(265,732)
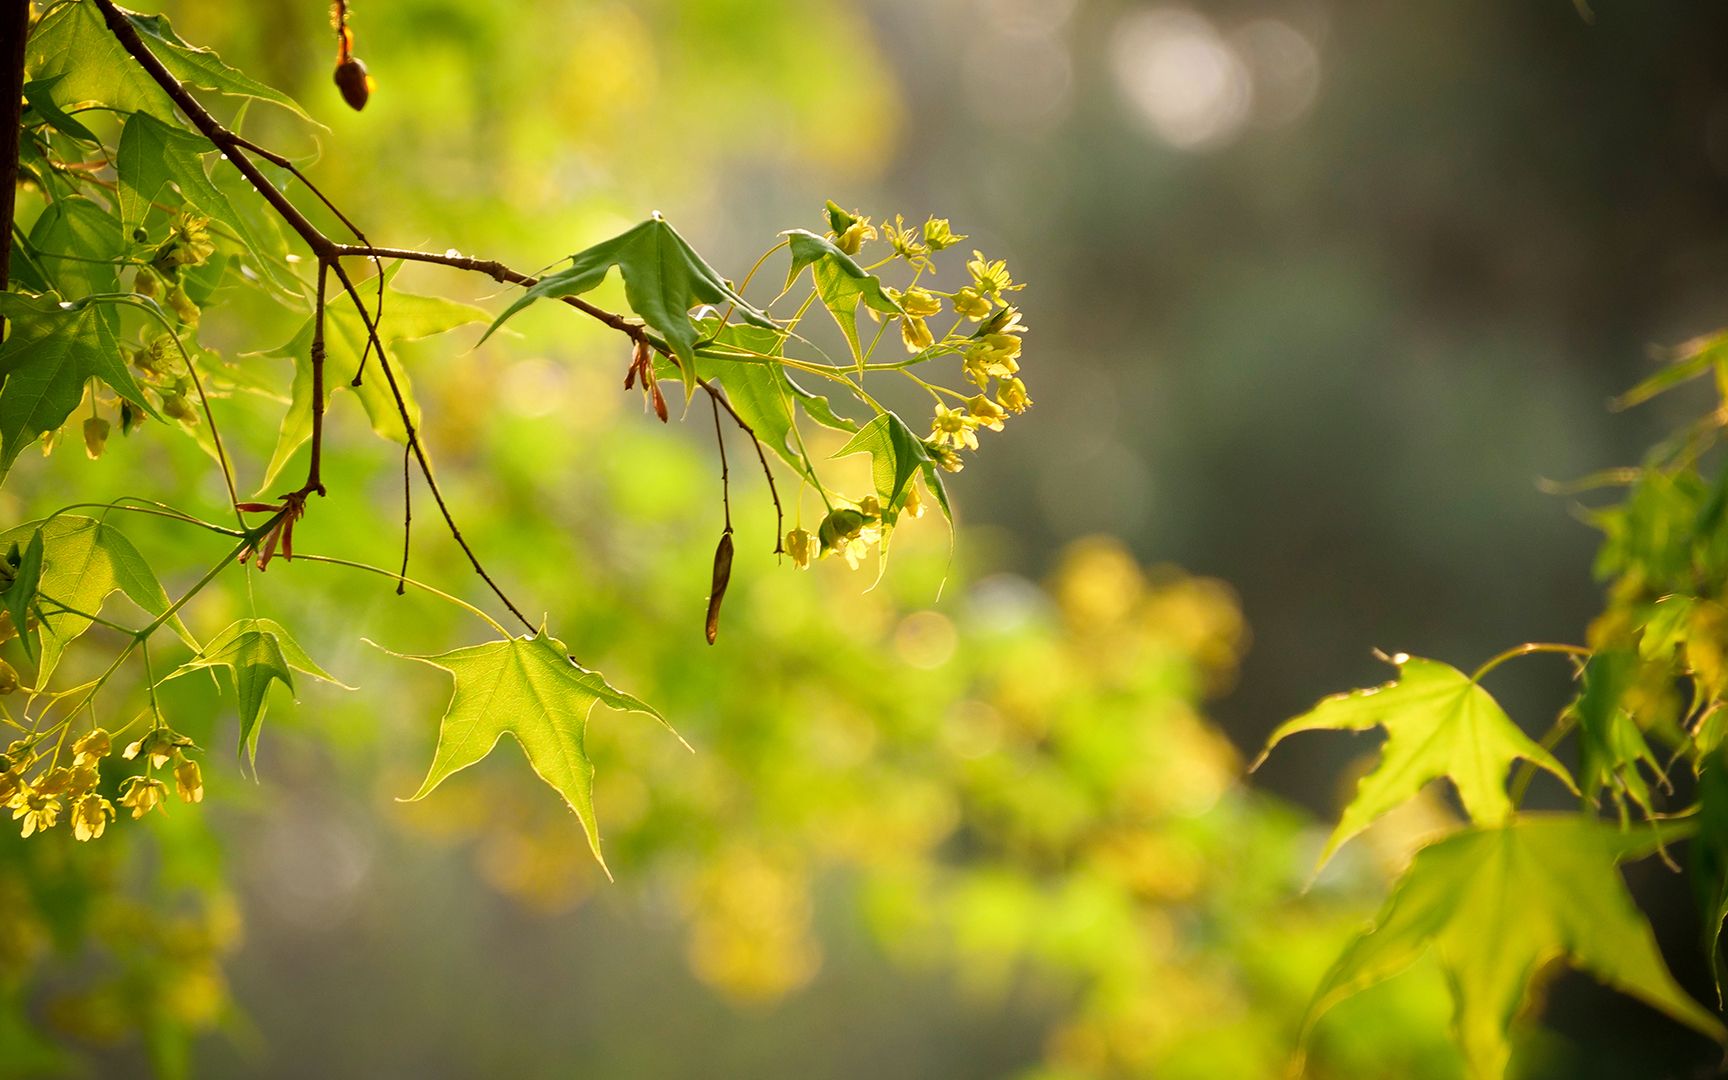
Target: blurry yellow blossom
(142,794)
(38,811)
(916,334)
(939,235)
(971,303)
(89,748)
(1011,395)
(986,412)
(799,546)
(90,816)
(188,781)
(952,427)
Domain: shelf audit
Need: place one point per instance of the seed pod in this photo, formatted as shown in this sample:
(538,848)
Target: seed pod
(355,84)
(722,575)
(8,678)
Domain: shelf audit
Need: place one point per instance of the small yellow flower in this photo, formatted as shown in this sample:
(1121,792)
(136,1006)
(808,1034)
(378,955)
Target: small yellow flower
(38,811)
(799,545)
(953,427)
(84,778)
(1011,393)
(920,302)
(188,781)
(56,781)
(158,745)
(916,334)
(992,278)
(947,459)
(906,242)
(914,505)
(90,816)
(95,436)
(938,235)
(994,354)
(142,794)
(986,412)
(13,787)
(853,239)
(971,303)
(88,749)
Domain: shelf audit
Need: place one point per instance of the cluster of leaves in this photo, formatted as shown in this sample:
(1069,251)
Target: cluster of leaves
(144,244)
(1020,788)
(135,224)
(1651,698)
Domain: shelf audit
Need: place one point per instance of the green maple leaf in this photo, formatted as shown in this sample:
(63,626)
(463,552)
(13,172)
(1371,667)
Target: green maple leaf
(840,282)
(84,561)
(663,279)
(1438,723)
(407,317)
(73,43)
(1496,905)
(257,652)
(52,350)
(530,688)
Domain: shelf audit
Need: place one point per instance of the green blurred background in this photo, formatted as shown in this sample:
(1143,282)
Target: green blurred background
(1318,292)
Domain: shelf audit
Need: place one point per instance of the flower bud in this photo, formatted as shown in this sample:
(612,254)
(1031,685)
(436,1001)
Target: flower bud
(188,781)
(8,678)
(95,436)
(798,545)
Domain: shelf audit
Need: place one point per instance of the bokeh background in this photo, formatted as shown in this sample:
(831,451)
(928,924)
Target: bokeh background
(1319,292)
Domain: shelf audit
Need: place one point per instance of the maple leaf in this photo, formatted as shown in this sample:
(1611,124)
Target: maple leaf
(531,689)
(1496,905)
(258,652)
(82,562)
(51,353)
(1438,722)
(664,278)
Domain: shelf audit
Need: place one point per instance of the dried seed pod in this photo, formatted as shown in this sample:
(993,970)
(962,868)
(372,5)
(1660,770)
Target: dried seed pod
(355,84)
(722,575)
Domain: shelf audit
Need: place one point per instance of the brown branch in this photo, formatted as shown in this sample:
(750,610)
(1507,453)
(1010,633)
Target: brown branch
(725,476)
(329,254)
(502,274)
(314,471)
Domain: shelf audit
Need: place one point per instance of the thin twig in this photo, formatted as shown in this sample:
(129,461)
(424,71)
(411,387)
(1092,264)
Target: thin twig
(725,477)
(314,471)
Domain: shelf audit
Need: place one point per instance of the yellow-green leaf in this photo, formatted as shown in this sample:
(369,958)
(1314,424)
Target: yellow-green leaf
(530,688)
(1438,723)
(1495,905)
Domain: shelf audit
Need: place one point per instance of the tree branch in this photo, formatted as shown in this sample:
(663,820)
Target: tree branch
(236,150)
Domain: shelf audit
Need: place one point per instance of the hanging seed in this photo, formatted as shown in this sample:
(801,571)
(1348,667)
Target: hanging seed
(722,575)
(355,84)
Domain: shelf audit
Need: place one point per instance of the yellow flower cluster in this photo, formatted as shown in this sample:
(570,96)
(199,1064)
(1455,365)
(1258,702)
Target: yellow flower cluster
(39,801)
